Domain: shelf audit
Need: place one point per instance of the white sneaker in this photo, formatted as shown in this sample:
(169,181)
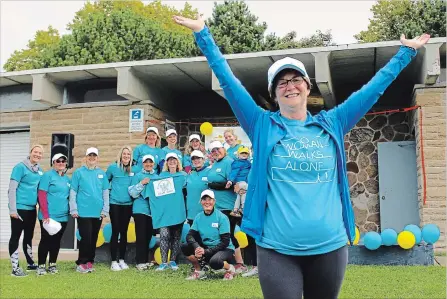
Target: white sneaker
(141,267)
(123,265)
(252,272)
(115,266)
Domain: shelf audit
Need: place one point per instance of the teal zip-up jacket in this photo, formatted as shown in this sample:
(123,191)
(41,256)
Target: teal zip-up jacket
(264,128)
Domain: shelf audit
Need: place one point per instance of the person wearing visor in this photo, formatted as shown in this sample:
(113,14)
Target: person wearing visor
(54,191)
(142,212)
(209,241)
(151,146)
(167,204)
(89,204)
(22,196)
(194,144)
(218,177)
(298,205)
(196,182)
(172,139)
(120,174)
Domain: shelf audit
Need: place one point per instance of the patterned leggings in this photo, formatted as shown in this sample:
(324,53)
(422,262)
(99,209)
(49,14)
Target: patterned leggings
(170,239)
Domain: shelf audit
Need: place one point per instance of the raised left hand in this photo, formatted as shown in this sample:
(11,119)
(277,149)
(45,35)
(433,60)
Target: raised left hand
(416,42)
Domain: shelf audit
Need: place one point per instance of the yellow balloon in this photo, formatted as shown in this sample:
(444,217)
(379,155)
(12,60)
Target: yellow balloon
(206,128)
(100,239)
(157,256)
(131,236)
(406,239)
(241,238)
(357,237)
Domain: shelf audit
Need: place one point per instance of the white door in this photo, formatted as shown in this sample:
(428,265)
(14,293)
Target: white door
(14,148)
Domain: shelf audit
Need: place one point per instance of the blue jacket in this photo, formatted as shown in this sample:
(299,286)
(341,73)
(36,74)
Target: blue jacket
(240,169)
(264,128)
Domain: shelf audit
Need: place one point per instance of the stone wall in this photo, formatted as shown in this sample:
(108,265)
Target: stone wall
(362,163)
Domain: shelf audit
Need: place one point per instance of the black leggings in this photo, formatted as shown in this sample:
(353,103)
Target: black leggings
(49,244)
(233,222)
(216,261)
(170,239)
(143,231)
(250,255)
(26,225)
(88,230)
(119,218)
(314,276)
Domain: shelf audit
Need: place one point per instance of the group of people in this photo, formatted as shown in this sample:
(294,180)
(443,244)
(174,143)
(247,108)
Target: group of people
(161,188)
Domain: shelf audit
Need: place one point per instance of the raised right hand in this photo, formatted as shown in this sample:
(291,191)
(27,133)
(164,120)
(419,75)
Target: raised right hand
(194,25)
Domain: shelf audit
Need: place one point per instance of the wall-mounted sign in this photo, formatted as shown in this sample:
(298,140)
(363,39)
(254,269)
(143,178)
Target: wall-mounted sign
(136,120)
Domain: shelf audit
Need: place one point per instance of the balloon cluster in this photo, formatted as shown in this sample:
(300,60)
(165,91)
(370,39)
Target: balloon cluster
(105,234)
(410,236)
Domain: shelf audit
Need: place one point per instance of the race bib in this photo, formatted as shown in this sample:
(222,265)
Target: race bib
(164,187)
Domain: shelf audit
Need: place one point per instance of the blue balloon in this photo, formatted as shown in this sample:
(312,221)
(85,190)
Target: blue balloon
(78,235)
(416,232)
(237,229)
(185,231)
(107,231)
(431,233)
(389,237)
(153,242)
(372,240)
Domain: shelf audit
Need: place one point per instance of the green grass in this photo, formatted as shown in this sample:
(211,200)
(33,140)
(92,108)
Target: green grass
(360,282)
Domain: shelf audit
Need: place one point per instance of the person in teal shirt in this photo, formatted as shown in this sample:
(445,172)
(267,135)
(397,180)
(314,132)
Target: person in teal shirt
(142,212)
(22,196)
(151,146)
(194,144)
(209,241)
(218,176)
(54,191)
(120,174)
(167,205)
(196,182)
(298,186)
(233,144)
(172,139)
(89,204)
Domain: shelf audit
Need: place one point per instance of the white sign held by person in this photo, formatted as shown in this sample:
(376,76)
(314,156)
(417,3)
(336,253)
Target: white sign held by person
(218,134)
(164,187)
(136,120)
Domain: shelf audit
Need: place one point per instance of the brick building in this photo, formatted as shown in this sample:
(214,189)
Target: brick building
(93,102)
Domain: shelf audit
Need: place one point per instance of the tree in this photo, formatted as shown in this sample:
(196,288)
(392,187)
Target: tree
(235,28)
(31,56)
(391,18)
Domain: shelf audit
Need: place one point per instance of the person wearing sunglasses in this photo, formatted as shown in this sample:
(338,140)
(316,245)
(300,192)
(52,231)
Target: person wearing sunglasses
(22,196)
(218,176)
(298,206)
(89,204)
(54,191)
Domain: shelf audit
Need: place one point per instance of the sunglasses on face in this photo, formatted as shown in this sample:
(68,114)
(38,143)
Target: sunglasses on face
(61,161)
(215,150)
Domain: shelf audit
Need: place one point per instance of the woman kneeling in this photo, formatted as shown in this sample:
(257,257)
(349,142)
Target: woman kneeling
(209,240)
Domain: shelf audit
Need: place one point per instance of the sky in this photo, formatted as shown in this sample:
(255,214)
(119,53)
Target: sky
(19,20)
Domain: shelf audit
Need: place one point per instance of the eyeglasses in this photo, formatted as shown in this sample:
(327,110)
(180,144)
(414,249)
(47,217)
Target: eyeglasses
(297,81)
(195,158)
(61,161)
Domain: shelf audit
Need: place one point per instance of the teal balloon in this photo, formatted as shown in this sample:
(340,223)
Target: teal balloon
(389,237)
(372,240)
(153,242)
(107,231)
(185,231)
(416,232)
(78,235)
(431,233)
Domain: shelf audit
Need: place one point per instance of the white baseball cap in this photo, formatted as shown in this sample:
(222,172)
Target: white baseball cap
(194,136)
(282,64)
(207,192)
(145,157)
(171,131)
(92,150)
(171,155)
(197,153)
(57,156)
(215,144)
(153,129)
